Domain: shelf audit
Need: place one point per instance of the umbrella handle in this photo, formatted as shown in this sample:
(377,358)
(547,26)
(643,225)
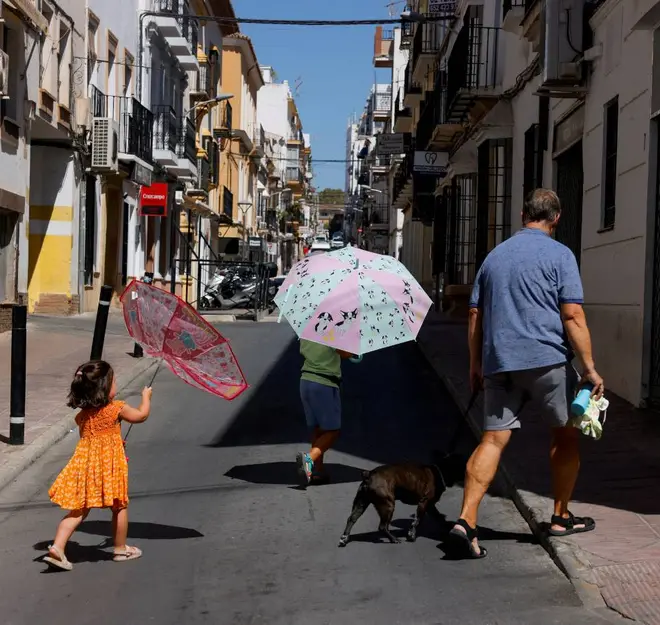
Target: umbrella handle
(130,427)
(356,359)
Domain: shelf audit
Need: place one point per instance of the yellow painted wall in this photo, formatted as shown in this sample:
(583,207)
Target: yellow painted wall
(50,242)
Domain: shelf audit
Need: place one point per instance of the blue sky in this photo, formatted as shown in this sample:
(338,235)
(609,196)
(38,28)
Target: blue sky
(333,64)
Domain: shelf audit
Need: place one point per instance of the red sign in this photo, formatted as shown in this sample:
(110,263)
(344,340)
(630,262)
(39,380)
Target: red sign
(153,200)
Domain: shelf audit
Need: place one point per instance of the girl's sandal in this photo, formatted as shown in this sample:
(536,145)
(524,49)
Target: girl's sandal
(57,559)
(130,553)
(462,542)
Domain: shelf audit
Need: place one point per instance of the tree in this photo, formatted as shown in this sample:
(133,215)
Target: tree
(331,196)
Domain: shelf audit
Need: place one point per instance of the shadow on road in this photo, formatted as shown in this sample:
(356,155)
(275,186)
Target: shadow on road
(137,529)
(285,473)
(394,409)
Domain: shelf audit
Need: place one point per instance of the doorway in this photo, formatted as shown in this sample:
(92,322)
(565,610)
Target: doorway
(570,182)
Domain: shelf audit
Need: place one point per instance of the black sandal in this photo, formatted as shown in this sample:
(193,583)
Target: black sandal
(462,542)
(570,523)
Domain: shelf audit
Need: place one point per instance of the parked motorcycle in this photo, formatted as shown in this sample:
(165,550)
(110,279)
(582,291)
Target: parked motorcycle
(230,288)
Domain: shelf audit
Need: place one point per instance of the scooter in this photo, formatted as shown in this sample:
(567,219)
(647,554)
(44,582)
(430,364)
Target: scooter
(236,291)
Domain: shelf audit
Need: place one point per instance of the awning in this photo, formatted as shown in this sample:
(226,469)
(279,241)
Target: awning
(30,11)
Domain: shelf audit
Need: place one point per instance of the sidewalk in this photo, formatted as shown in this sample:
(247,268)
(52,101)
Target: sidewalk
(55,347)
(619,486)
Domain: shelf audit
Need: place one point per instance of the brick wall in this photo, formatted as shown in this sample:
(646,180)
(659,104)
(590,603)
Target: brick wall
(57,304)
(5,317)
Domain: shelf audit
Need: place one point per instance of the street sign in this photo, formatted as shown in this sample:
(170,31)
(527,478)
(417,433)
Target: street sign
(255,242)
(431,163)
(272,249)
(441,6)
(392,143)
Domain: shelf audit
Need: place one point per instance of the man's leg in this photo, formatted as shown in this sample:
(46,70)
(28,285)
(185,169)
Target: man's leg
(479,475)
(553,391)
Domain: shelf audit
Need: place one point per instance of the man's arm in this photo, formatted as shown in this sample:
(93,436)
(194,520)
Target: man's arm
(575,324)
(475,344)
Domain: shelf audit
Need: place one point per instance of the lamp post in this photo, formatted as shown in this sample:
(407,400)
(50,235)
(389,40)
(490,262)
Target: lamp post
(245,206)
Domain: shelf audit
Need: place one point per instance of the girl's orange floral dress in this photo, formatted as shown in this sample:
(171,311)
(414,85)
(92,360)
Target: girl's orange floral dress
(97,474)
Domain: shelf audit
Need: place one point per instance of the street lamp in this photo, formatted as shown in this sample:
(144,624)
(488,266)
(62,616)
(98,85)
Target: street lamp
(216,100)
(245,206)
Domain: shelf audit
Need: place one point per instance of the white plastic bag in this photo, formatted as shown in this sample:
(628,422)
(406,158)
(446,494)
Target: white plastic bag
(590,423)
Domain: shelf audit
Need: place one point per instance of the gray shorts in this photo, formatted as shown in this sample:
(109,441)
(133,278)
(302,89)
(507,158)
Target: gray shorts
(548,391)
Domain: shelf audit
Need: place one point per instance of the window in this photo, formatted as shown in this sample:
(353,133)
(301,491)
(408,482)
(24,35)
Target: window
(48,51)
(228,203)
(461,204)
(64,65)
(92,45)
(494,195)
(9,106)
(129,61)
(533,161)
(609,169)
(111,76)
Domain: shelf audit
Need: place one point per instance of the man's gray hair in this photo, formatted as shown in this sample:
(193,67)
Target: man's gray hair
(541,205)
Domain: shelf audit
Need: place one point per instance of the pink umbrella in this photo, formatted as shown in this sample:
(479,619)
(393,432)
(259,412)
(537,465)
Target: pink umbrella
(167,327)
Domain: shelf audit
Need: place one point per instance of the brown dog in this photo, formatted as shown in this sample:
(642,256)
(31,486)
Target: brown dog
(412,484)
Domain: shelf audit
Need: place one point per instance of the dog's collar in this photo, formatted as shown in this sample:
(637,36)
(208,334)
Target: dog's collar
(442,477)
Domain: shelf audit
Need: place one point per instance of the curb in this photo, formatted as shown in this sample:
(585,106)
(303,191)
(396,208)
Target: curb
(31,452)
(567,557)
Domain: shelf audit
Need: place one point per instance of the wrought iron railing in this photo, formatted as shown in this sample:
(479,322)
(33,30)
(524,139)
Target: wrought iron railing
(473,60)
(98,101)
(294,174)
(427,40)
(382,102)
(203,173)
(189,27)
(529,4)
(227,115)
(214,163)
(167,6)
(228,203)
(203,78)
(409,84)
(166,131)
(434,111)
(404,173)
(512,4)
(186,145)
(136,126)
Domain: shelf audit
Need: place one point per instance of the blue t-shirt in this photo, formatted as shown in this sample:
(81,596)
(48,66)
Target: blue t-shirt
(519,289)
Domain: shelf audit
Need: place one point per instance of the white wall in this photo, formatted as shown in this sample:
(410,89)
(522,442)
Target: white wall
(272,108)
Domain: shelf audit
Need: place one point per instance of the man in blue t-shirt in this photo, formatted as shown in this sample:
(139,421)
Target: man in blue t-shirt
(526,322)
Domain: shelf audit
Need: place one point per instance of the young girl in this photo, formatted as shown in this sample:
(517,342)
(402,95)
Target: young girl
(97,474)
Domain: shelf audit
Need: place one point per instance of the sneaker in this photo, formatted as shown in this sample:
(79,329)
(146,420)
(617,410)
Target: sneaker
(305,467)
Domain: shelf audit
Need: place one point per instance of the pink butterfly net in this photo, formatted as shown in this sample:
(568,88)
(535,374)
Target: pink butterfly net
(167,327)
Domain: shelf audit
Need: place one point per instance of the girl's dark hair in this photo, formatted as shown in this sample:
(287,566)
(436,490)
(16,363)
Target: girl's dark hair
(91,385)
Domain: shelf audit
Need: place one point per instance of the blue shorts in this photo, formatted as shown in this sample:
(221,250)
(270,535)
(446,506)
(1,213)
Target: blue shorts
(322,405)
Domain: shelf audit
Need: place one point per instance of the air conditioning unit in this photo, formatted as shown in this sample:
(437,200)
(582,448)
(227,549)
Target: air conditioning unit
(105,143)
(4,74)
(562,45)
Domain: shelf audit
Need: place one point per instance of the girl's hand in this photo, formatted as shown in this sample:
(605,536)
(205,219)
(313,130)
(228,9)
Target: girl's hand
(146,392)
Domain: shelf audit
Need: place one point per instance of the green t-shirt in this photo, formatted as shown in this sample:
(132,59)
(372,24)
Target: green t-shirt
(321,362)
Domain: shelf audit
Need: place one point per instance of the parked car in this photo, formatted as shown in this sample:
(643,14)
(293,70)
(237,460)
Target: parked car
(319,246)
(337,240)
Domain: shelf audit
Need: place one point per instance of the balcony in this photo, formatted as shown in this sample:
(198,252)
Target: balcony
(166,133)
(412,90)
(201,82)
(383,48)
(426,44)
(186,149)
(435,131)
(379,218)
(403,186)
(402,117)
(407,33)
(513,12)
(295,136)
(258,136)
(201,183)
(295,178)
(136,128)
(178,30)
(382,108)
(472,72)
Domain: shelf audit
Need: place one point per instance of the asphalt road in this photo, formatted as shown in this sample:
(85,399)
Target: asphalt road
(228,539)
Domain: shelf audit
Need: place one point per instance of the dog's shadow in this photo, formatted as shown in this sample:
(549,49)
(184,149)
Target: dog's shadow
(438,530)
